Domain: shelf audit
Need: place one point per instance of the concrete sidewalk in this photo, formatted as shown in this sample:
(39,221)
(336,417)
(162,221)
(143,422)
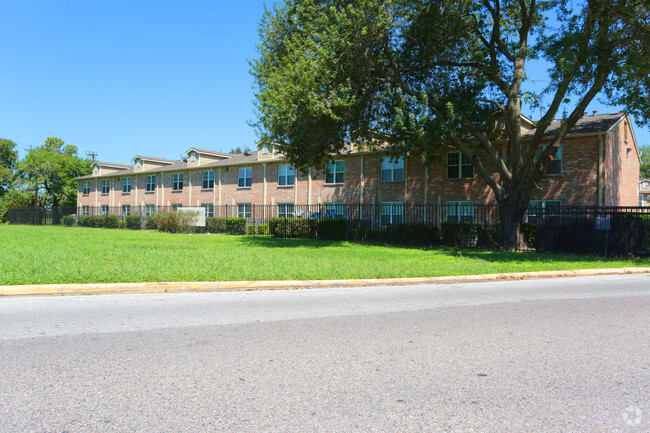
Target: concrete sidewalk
(227,286)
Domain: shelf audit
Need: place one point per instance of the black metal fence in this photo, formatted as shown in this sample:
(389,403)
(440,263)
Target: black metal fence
(607,231)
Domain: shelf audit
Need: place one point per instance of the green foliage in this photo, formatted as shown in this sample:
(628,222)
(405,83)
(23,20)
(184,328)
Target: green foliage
(645,162)
(121,224)
(529,231)
(68,220)
(85,221)
(110,222)
(174,222)
(134,222)
(412,233)
(236,226)
(331,229)
(150,223)
(292,227)
(262,229)
(49,172)
(8,159)
(215,225)
(457,234)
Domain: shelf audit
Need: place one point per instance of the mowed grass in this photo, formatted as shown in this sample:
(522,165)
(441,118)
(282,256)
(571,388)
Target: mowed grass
(44,255)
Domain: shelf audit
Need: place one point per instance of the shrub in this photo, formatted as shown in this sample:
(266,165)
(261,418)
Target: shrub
(236,226)
(292,227)
(487,236)
(262,229)
(215,225)
(134,222)
(86,221)
(331,229)
(68,220)
(457,234)
(110,222)
(121,224)
(412,233)
(150,223)
(175,222)
(529,231)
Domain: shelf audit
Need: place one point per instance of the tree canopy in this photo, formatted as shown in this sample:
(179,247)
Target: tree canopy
(48,172)
(8,159)
(645,162)
(421,75)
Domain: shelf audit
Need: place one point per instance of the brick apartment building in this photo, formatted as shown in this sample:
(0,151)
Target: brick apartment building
(598,165)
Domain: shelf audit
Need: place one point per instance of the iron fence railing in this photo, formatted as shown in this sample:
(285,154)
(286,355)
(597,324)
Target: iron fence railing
(598,230)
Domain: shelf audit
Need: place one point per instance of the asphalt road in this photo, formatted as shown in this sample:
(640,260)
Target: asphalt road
(562,355)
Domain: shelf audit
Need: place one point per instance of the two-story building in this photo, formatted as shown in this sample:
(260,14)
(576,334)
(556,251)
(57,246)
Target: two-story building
(597,165)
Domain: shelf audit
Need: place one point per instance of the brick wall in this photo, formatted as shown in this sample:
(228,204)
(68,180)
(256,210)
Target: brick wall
(576,186)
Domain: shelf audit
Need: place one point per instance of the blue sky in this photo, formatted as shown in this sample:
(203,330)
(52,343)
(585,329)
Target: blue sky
(135,77)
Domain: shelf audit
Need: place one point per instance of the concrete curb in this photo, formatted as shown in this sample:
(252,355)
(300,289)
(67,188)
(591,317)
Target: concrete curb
(229,286)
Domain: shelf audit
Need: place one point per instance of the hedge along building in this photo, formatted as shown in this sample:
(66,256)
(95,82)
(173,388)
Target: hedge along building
(597,165)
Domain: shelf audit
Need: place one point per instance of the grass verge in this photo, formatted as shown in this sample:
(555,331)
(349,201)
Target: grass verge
(53,254)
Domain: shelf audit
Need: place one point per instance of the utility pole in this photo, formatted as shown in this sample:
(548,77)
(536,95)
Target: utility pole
(91,154)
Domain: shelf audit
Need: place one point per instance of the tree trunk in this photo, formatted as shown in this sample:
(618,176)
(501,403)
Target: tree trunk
(511,216)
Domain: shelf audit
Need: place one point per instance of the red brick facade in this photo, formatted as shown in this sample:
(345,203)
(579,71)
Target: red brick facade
(597,169)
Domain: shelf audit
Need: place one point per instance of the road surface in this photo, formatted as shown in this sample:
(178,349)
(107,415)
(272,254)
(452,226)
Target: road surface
(560,355)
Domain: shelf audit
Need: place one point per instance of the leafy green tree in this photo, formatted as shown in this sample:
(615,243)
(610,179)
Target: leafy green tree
(645,162)
(49,173)
(417,76)
(8,159)
(236,150)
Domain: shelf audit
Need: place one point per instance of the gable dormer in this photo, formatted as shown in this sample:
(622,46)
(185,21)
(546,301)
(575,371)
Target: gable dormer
(144,163)
(268,152)
(106,168)
(197,157)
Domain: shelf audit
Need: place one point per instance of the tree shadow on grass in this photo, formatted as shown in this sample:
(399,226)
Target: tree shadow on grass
(273,242)
(535,256)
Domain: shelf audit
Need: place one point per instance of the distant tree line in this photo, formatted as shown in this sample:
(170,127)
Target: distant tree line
(45,177)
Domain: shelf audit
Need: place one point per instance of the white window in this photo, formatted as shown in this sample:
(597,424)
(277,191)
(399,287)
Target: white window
(209,209)
(244,210)
(208,179)
(177,181)
(645,185)
(176,206)
(285,210)
(335,172)
(392,213)
(126,210)
(193,156)
(245,178)
(334,210)
(149,209)
(86,188)
(458,166)
(104,209)
(555,166)
(151,183)
(126,185)
(539,209)
(392,170)
(85,210)
(138,163)
(286,175)
(106,186)
(460,211)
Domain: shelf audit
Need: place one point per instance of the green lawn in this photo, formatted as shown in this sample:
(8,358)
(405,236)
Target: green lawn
(40,255)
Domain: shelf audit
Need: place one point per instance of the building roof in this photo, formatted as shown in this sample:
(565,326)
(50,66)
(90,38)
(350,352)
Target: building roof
(594,124)
(110,164)
(154,159)
(210,152)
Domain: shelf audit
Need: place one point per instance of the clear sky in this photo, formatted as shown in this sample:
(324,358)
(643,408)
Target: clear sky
(135,77)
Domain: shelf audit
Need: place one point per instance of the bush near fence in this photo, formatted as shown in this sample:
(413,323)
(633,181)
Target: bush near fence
(133,222)
(292,227)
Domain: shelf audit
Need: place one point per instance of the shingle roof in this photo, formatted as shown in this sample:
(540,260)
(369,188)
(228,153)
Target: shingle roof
(153,158)
(110,164)
(211,152)
(586,125)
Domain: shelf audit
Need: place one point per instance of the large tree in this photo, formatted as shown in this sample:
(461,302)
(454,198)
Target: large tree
(49,172)
(645,162)
(421,75)
(8,159)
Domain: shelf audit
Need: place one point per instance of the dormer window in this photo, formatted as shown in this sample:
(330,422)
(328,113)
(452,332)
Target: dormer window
(138,163)
(193,156)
